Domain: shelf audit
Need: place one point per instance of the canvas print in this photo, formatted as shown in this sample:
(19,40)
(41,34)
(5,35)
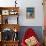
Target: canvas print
(30,12)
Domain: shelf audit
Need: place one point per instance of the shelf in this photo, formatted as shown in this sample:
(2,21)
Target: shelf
(11,26)
(5,12)
(9,9)
(10,41)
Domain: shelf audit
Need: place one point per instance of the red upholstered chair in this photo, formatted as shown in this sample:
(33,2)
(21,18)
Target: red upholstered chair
(29,33)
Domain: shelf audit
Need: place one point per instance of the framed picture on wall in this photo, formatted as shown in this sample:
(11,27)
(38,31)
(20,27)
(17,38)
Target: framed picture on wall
(30,12)
(5,12)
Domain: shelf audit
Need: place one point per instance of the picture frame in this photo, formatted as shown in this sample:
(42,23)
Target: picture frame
(30,12)
(12,12)
(5,12)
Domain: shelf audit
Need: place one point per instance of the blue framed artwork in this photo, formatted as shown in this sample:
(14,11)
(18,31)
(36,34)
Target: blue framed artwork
(30,12)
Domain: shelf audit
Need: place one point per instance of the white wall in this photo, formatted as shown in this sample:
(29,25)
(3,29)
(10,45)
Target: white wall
(23,4)
(38,20)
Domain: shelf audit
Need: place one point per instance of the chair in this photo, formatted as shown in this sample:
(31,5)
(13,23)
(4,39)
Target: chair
(29,33)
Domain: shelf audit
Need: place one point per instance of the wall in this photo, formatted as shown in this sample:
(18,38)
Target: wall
(23,4)
(38,20)
(45,20)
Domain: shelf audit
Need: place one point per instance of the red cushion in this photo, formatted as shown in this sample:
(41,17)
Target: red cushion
(29,33)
